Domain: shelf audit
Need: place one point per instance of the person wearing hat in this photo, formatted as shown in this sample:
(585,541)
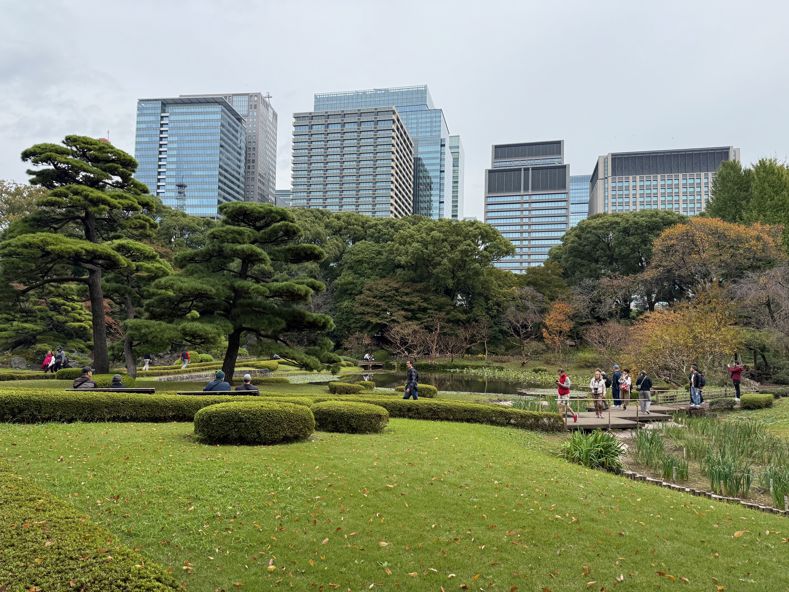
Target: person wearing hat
(85,381)
(218,384)
(117,381)
(247,384)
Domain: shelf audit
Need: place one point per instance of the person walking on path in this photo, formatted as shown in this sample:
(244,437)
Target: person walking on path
(60,360)
(218,384)
(47,361)
(247,384)
(697,383)
(85,381)
(185,357)
(411,382)
(615,393)
(597,386)
(563,388)
(735,373)
(146,362)
(625,382)
(644,386)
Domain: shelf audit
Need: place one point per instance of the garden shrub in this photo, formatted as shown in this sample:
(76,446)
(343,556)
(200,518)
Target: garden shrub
(539,369)
(105,380)
(367,385)
(46,545)
(272,380)
(68,373)
(349,417)
(24,375)
(270,365)
(204,358)
(596,450)
(722,404)
(345,388)
(428,391)
(751,401)
(253,423)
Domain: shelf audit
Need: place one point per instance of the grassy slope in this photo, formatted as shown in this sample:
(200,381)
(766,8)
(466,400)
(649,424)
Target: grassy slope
(421,506)
(775,418)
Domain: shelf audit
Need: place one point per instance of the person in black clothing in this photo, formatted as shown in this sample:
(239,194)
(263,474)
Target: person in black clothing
(85,381)
(247,384)
(60,360)
(147,362)
(218,384)
(644,386)
(411,382)
(615,393)
(117,382)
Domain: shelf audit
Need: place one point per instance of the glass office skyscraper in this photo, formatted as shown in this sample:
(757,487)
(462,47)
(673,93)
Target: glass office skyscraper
(190,152)
(527,199)
(677,180)
(260,123)
(358,160)
(579,198)
(458,166)
(428,130)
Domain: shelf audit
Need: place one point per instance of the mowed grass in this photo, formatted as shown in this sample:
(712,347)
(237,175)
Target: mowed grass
(423,506)
(775,418)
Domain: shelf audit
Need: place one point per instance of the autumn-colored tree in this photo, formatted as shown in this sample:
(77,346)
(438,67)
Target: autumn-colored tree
(609,340)
(557,325)
(666,342)
(707,252)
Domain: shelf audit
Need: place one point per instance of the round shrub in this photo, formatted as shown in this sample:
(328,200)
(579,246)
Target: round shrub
(204,358)
(253,423)
(349,418)
(105,380)
(756,401)
(345,388)
(68,373)
(428,391)
(367,385)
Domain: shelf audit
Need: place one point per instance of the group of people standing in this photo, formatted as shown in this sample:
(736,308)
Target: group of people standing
(54,361)
(620,384)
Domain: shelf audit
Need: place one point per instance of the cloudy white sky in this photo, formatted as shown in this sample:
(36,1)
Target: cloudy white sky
(604,76)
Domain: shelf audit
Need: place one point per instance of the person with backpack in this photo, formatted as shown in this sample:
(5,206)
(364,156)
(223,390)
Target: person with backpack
(615,393)
(735,371)
(563,388)
(598,388)
(697,384)
(625,382)
(644,386)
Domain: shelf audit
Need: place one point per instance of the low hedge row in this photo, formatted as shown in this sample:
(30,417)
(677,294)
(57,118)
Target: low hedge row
(59,406)
(427,391)
(272,380)
(25,375)
(349,417)
(751,401)
(345,388)
(45,544)
(270,365)
(253,423)
(367,385)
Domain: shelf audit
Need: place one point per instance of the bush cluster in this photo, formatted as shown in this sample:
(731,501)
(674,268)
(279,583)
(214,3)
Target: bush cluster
(272,380)
(751,401)
(175,369)
(33,406)
(253,423)
(105,380)
(349,417)
(68,373)
(24,375)
(722,404)
(597,450)
(45,544)
(368,385)
(345,388)
(428,391)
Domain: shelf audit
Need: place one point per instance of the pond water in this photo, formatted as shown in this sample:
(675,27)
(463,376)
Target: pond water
(444,381)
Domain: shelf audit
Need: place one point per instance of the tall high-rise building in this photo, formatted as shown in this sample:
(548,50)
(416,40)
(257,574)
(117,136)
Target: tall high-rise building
(282,198)
(527,198)
(458,166)
(357,160)
(428,130)
(677,180)
(190,152)
(260,123)
(579,198)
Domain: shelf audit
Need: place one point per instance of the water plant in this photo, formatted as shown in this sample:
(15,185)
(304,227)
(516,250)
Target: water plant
(596,450)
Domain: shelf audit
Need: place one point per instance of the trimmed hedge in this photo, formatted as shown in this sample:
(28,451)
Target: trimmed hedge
(428,391)
(751,401)
(68,373)
(45,544)
(253,423)
(349,417)
(722,404)
(367,385)
(33,406)
(24,375)
(345,388)
(272,380)
(105,380)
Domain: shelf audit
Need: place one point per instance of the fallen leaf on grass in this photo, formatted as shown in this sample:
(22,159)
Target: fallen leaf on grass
(739,533)
(324,541)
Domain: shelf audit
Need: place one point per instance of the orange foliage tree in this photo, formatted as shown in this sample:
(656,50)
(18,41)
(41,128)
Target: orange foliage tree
(557,325)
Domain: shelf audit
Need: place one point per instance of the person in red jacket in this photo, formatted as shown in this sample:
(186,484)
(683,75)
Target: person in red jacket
(563,388)
(735,373)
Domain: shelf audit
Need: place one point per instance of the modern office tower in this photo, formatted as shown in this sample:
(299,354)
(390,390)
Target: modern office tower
(282,198)
(428,130)
(190,152)
(527,198)
(579,198)
(458,166)
(260,123)
(358,160)
(677,180)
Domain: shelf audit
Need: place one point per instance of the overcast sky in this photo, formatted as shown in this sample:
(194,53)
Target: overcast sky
(604,76)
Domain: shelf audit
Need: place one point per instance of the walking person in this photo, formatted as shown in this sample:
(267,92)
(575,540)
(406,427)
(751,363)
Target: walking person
(563,389)
(185,357)
(735,371)
(597,386)
(411,382)
(697,383)
(625,382)
(60,359)
(615,393)
(644,386)
(146,362)
(47,361)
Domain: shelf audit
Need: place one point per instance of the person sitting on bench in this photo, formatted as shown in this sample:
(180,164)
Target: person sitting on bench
(218,384)
(85,381)
(247,384)
(117,382)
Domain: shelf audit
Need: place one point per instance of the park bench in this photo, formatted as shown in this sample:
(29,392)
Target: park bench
(148,391)
(232,392)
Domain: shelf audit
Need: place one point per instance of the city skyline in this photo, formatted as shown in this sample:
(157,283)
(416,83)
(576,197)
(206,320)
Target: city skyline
(661,95)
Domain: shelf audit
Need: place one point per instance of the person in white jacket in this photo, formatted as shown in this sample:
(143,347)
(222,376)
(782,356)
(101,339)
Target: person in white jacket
(597,386)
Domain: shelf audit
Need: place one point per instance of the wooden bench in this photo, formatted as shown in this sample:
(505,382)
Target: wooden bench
(231,393)
(100,389)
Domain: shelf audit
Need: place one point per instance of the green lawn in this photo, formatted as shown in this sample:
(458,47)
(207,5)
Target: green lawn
(423,506)
(775,418)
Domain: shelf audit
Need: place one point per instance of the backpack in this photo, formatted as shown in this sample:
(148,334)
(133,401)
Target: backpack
(702,380)
(607,380)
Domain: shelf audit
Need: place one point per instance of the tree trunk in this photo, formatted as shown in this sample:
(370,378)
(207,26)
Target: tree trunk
(101,358)
(128,353)
(231,354)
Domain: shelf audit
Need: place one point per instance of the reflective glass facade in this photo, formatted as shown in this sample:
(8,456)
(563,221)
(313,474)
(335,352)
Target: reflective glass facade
(282,198)
(458,167)
(579,198)
(428,130)
(191,152)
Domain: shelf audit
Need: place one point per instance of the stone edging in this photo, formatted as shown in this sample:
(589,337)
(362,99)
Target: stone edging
(702,493)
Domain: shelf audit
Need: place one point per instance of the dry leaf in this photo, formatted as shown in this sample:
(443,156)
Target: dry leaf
(324,541)
(739,533)
(590,584)
(587,570)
